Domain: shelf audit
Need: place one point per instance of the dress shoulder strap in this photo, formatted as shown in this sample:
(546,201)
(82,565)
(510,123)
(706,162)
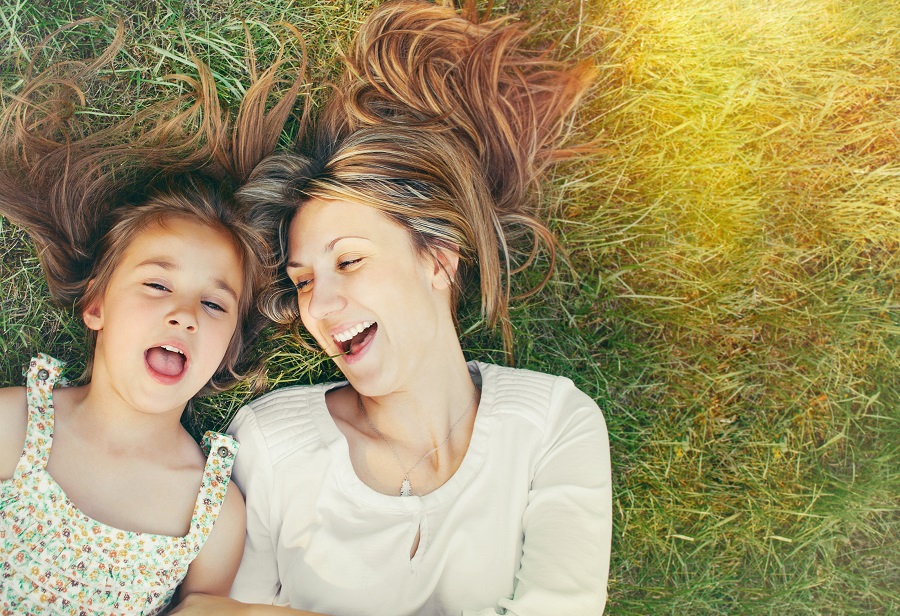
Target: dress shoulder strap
(40,376)
(221,450)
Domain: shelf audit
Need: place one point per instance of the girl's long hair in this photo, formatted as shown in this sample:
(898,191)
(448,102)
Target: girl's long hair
(83,194)
(445,123)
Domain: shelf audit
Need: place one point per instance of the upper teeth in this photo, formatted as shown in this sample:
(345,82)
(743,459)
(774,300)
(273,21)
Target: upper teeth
(347,334)
(171,348)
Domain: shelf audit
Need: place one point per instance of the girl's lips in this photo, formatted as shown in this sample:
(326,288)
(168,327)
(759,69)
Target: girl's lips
(166,363)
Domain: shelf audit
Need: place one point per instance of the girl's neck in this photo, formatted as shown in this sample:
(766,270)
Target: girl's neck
(99,410)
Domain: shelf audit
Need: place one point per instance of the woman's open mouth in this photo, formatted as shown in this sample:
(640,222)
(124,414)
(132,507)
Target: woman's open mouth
(354,339)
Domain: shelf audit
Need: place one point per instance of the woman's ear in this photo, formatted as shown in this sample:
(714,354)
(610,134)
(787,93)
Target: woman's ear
(446,262)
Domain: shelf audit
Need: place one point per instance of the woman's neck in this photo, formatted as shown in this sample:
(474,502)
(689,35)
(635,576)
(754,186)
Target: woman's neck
(425,408)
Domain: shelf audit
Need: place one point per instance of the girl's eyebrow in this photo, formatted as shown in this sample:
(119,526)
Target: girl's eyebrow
(159,262)
(329,247)
(168,266)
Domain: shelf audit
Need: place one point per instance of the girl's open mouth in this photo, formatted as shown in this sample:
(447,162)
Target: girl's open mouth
(166,361)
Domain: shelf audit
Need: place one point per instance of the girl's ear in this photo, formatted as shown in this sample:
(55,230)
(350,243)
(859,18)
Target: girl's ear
(446,262)
(93,314)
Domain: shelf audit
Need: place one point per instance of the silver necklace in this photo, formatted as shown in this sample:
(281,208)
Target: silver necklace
(406,487)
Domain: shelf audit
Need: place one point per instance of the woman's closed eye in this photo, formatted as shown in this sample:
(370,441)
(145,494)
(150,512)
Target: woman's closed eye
(304,284)
(348,263)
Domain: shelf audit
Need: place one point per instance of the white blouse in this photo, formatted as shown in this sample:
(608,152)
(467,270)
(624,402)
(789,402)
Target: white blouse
(524,524)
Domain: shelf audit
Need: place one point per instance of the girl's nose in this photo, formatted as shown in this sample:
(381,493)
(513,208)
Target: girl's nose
(183,317)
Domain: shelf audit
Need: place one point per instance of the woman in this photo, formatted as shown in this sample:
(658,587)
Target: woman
(423,484)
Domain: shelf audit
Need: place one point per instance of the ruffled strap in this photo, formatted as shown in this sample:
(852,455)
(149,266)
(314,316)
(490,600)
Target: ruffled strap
(40,376)
(221,450)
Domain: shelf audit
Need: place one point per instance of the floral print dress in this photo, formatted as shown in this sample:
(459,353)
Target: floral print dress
(56,560)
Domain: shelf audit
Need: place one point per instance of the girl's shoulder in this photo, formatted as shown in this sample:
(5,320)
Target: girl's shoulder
(12,399)
(13,423)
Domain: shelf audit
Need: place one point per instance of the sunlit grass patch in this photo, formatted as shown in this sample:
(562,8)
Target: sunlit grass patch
(753,149)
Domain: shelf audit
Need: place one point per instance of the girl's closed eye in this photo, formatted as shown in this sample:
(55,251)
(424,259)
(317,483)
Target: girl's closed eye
(157,286)
(214,306)
(303,284)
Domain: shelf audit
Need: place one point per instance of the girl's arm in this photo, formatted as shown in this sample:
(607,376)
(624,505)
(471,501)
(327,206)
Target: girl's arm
(214,568)
(13,417)
(258,579)
(206,605)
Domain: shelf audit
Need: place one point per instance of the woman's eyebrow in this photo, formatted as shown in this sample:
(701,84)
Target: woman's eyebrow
(329,247)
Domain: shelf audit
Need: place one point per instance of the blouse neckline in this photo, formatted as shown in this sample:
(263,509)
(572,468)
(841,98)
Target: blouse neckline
(350,482)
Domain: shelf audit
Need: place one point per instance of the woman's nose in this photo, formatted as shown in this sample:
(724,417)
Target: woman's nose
(324,298)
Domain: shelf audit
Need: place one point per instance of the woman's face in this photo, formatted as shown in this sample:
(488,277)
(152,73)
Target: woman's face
(375,304)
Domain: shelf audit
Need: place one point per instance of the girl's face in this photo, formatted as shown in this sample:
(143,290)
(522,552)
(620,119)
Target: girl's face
(168,314)
(370,300)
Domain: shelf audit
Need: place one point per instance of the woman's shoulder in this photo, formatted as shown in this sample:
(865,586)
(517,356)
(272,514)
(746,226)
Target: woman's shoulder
(526,385)
(284,420)
(509,379)
(536,396)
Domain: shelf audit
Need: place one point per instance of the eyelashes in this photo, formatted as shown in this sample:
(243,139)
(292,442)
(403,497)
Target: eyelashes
(348,262)
(303,285)
(212,305)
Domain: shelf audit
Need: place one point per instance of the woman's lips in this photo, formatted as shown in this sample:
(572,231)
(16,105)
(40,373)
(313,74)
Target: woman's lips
(355,347)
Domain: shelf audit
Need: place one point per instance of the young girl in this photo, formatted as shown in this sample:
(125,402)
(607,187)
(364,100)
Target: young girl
(423,484)
(107,505)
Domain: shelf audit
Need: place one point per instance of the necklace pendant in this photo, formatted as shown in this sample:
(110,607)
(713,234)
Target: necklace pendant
(405,488)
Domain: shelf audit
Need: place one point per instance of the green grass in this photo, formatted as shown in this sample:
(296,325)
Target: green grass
(729,296)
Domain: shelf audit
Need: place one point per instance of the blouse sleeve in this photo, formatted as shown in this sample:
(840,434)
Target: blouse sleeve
(257,578)
(568,519)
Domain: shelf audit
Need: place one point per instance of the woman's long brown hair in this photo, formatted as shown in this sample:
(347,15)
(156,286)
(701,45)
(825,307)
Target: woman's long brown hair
(445,123)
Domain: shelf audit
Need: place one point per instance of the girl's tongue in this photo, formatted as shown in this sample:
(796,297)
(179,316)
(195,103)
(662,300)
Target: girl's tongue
(165,362)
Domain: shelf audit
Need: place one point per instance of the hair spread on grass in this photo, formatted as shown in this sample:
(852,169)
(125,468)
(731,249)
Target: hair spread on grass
(84,194)
(444,123)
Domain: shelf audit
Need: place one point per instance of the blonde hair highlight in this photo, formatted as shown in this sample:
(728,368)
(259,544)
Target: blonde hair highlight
(444,123)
